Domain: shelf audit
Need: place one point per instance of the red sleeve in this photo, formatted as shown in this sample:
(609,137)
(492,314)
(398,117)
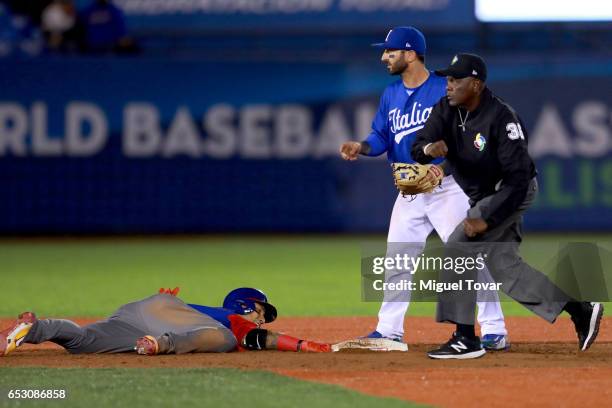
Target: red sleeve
(240,327)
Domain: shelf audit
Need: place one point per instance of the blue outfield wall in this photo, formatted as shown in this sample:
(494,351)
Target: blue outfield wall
(139,146)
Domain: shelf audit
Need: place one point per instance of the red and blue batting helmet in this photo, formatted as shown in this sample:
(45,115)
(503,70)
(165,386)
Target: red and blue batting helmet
(242,301)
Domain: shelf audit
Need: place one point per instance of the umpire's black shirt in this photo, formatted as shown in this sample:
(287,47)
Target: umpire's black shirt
(490,148)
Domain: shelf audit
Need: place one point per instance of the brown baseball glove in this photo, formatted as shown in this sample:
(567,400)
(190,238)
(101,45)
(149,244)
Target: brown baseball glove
(414,178)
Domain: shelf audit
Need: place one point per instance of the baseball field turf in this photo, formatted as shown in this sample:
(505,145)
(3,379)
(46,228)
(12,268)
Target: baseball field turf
(313,276)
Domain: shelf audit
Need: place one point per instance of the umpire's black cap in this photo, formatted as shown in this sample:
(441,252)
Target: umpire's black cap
(465,65)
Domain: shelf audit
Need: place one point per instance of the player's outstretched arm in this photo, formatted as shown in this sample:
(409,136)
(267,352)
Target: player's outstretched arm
(261,339)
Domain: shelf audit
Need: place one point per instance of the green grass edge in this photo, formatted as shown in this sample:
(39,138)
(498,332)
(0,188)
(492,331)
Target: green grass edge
(163,387)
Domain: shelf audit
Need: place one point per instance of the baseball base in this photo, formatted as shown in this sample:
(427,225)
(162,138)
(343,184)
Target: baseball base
(370,344)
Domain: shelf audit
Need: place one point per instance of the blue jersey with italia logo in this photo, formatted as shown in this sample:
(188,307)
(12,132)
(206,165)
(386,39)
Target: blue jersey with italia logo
(401,114)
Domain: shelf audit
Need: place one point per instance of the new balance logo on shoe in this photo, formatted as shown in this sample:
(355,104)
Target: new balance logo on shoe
(459,346)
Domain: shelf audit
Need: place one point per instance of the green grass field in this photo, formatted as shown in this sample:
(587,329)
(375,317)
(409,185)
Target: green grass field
(303,276)
(171,387)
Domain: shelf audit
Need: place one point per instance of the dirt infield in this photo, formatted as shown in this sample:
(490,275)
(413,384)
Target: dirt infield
(543,367)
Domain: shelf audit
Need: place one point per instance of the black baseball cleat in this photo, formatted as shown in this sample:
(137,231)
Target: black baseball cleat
(459,347)
(587,323)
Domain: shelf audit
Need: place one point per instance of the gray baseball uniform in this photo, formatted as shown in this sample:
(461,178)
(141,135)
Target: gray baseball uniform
(178,327)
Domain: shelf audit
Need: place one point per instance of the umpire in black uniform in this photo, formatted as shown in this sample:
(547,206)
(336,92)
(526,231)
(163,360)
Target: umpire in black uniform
(485,146)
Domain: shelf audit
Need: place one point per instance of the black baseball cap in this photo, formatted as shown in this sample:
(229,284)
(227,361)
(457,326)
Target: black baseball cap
(465,65)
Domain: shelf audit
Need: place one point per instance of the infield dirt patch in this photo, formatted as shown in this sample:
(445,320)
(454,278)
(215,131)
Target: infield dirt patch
(542,368)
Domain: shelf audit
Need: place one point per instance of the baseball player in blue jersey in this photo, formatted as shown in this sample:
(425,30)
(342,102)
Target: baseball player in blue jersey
(164,324)
(405,106)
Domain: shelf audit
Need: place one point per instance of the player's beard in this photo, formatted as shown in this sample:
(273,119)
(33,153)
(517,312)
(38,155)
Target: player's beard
(398,68)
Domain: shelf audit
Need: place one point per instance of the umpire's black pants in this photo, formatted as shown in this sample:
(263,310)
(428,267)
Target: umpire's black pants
(500,249)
